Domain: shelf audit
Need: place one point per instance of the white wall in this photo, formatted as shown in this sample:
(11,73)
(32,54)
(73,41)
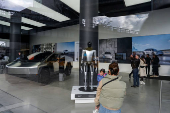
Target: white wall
(157,23)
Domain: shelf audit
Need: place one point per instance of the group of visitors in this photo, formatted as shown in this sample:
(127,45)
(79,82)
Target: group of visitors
(111,91)
(141,66)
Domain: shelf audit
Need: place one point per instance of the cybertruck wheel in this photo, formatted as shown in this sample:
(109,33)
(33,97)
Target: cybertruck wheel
(44,76)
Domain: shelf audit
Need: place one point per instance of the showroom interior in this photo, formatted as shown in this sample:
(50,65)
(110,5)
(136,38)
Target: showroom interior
(52,51)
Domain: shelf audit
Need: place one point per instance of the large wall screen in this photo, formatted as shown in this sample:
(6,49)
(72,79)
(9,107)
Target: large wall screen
(156,44)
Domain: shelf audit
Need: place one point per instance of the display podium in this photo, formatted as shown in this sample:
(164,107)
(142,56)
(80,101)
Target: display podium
(83,96)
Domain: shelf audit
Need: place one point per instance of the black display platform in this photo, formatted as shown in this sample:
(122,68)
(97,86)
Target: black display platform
(88,89)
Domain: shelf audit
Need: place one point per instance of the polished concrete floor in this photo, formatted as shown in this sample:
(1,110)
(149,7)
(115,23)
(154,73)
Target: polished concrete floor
(20,95)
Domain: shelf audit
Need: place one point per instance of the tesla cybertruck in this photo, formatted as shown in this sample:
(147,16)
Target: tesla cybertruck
(42,65)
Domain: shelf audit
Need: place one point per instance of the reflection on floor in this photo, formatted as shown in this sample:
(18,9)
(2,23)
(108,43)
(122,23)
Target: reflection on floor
(18,95)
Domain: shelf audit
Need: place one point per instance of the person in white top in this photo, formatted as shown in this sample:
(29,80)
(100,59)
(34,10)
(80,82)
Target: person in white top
(142,69)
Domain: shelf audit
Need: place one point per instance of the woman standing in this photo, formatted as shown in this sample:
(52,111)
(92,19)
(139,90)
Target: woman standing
(155,65)
(142,69)
(110,92)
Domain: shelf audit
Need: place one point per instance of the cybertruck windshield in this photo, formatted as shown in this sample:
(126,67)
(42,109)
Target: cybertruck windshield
(38,57)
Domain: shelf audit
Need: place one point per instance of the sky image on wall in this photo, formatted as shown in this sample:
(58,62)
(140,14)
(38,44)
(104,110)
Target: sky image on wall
(70,46)
(67,48)
(158,45)
(158,42)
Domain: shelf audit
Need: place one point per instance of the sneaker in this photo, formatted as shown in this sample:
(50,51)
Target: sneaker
(143,82)
(133,86)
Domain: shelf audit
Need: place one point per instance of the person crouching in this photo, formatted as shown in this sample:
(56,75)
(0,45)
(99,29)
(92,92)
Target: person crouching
(101,75)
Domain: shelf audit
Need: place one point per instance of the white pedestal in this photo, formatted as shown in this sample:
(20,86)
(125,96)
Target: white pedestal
(82,97)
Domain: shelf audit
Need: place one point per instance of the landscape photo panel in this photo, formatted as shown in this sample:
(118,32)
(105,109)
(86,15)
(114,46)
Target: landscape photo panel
(155,44)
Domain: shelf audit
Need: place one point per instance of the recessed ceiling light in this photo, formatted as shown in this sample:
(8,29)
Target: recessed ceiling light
(5,14)
(36,7)
(8,24)
(32,22)
(4,23)
(24,20)
(74,4)
(25,28)
(135,2)
(41,9)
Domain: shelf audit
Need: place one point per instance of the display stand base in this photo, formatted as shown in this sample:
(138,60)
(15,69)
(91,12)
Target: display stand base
(83,96)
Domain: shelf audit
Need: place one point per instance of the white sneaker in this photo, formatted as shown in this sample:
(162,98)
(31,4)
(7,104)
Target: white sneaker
(143,82)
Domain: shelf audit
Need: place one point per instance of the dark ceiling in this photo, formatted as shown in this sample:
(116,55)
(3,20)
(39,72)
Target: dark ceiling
(110,8)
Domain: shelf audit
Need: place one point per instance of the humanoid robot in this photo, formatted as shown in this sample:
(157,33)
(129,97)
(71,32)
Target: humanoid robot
(89,66)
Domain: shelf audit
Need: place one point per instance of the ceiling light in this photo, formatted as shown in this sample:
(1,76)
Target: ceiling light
(74,4)
(24,20)
(32,22)
(4,23)
(5,14)
(8,24)
(41,9)
(25,28)
(135,2)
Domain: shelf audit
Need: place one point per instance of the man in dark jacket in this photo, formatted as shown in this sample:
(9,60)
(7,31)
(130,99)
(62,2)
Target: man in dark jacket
(155,66)
(135,65)
(132,57)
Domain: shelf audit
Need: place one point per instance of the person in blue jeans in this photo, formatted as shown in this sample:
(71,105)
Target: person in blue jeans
(101,75)
(104,110)
(135,66)
(110,91)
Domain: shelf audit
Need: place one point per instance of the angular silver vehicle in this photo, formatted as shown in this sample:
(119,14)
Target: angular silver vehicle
(42,65)
(152,51)
(107,55)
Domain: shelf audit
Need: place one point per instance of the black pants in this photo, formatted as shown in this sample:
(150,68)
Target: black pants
(131,73)
(155,70)
(148,70)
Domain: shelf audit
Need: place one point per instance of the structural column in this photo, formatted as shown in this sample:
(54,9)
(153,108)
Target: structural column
(88,33)
(15,36)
